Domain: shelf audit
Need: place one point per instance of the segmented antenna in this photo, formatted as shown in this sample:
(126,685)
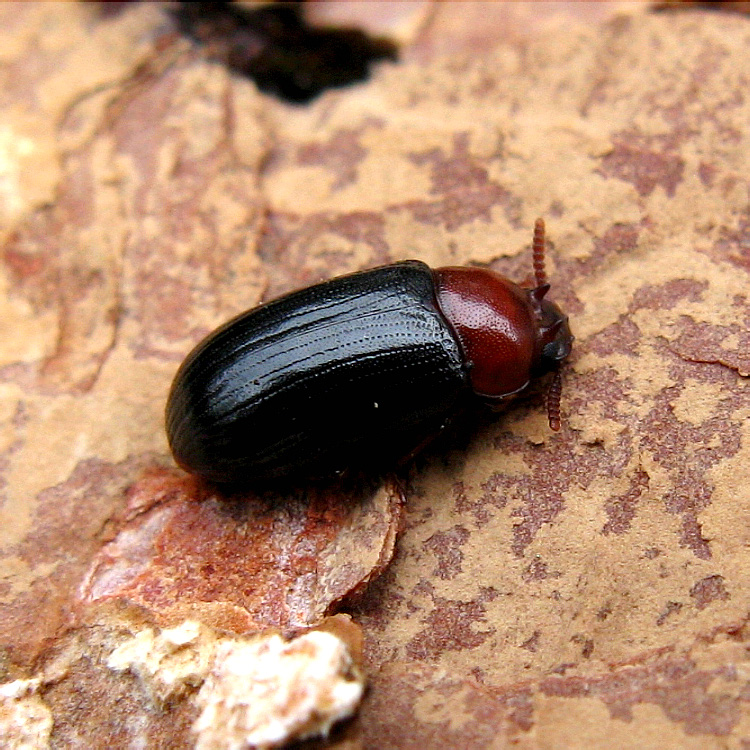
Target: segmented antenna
(553,401)
(538,253)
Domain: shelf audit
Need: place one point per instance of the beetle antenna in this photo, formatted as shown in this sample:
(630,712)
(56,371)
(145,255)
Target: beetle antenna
(553,401)
(538,253)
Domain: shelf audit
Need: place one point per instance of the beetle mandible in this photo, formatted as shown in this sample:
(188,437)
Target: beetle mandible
(359,371)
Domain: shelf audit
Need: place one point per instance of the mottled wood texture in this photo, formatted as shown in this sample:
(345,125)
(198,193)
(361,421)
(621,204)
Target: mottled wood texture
(586,588)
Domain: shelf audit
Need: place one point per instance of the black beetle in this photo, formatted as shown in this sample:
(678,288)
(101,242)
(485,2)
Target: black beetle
(359,371)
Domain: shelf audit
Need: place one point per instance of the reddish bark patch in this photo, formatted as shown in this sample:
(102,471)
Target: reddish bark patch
(287,239)
(668,295)
(686,453)
(479,509)
(538,497)
(243,562)
(619,239)
(108,710)
(71,522)
(391,720)
(538,570)
(621,337)
(670,608)
(621,510)
(463,188)
(683,692)
(449,628)
(53,272)
(446,546)
(182,261)
(23,264)
(702,343)
(341,154)
(532,643)
(707,173)
(709,590)
(647,162)
(733,244)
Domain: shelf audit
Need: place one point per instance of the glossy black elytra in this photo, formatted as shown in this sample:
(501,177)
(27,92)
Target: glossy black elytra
(359,371)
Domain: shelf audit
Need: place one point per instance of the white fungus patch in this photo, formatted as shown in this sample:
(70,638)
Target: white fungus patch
(268,692)
(25,720)
(168,663)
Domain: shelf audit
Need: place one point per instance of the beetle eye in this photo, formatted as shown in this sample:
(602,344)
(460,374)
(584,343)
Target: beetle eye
(556,351)
(557,340)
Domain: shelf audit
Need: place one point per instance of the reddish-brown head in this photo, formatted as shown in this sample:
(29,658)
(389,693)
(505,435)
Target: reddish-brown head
(508,334)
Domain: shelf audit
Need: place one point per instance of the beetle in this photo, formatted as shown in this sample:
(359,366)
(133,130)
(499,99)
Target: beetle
(359,371)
